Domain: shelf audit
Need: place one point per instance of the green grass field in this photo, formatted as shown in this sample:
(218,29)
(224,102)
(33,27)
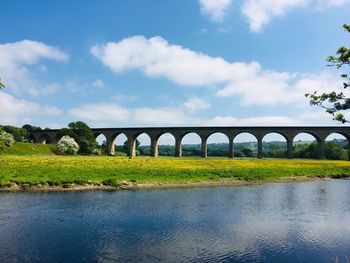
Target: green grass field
(114,171)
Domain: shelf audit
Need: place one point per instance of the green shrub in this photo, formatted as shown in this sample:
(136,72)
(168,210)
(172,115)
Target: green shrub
(7,138)
(67,145)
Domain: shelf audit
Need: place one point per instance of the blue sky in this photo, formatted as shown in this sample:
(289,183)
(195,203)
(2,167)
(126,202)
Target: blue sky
(168,63)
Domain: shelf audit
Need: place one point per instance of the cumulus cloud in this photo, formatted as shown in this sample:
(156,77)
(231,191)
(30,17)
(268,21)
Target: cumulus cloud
(115,114)
(253,84)
(101,112)
(17,57)
(155,57)
(274,88)
(18,112)
(215,9)
(194,104)
(260,12)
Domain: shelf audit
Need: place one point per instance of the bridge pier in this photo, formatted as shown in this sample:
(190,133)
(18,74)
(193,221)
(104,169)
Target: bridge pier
(204,148)
(131,148)
(110,146)
(230,148)
(178,147)
(154,147)
(321,149)
(289,149)
(260,148)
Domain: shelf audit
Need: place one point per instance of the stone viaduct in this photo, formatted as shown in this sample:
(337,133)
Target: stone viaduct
(319,133)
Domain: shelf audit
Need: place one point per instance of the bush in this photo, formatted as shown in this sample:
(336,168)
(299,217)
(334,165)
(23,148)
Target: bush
(67,145)
(2,145)
(7,138)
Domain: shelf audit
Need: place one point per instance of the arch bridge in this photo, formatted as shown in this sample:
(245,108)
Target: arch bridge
(289,133)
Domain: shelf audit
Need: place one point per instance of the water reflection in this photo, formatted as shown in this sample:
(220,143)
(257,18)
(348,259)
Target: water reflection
(304,222)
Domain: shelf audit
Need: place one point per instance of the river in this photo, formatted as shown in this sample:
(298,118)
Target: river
(274,222)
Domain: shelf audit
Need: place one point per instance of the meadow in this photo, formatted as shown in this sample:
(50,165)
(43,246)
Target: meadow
(69,171)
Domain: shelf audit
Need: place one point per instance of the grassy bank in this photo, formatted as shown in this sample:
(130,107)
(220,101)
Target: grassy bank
(27,171)
(21,148)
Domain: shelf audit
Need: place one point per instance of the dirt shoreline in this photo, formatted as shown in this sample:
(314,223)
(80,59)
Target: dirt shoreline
(156,185)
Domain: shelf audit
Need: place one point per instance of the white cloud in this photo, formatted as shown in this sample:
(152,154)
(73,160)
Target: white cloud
(111,115)
(101,112)
(194,104)
(253,84)
(266,88)
(254,121)
(249,81)
(323,4)
(15,61)
(98,83)
(260,12)
(272,88)
(157,58)
(18,112)
(215,9)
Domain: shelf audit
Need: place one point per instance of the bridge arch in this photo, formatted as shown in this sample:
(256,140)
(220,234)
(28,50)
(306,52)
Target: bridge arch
(58,137)
(45,139)
(101,143)
(245,145)
(118,142)
(142,144)
(275,133)
(218,144)
(31,138)
(314,135)
(166,141)
(337,146)
(274,145)
(305,145)
(190,144)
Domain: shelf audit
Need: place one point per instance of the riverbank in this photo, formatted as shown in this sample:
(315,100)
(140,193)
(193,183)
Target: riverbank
(66,173)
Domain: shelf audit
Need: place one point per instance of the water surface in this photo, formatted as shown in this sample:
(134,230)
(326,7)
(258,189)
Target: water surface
(285,222)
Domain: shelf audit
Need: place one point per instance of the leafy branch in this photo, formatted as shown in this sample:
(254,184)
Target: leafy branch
(334,103)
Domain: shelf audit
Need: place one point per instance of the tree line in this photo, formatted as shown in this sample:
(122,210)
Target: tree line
(335,150)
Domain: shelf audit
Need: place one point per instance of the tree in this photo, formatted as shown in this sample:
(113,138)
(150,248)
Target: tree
(82,134)
(248,152)
(335,103)
(19,134)
(2,85)
(67,145)
(30,128)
